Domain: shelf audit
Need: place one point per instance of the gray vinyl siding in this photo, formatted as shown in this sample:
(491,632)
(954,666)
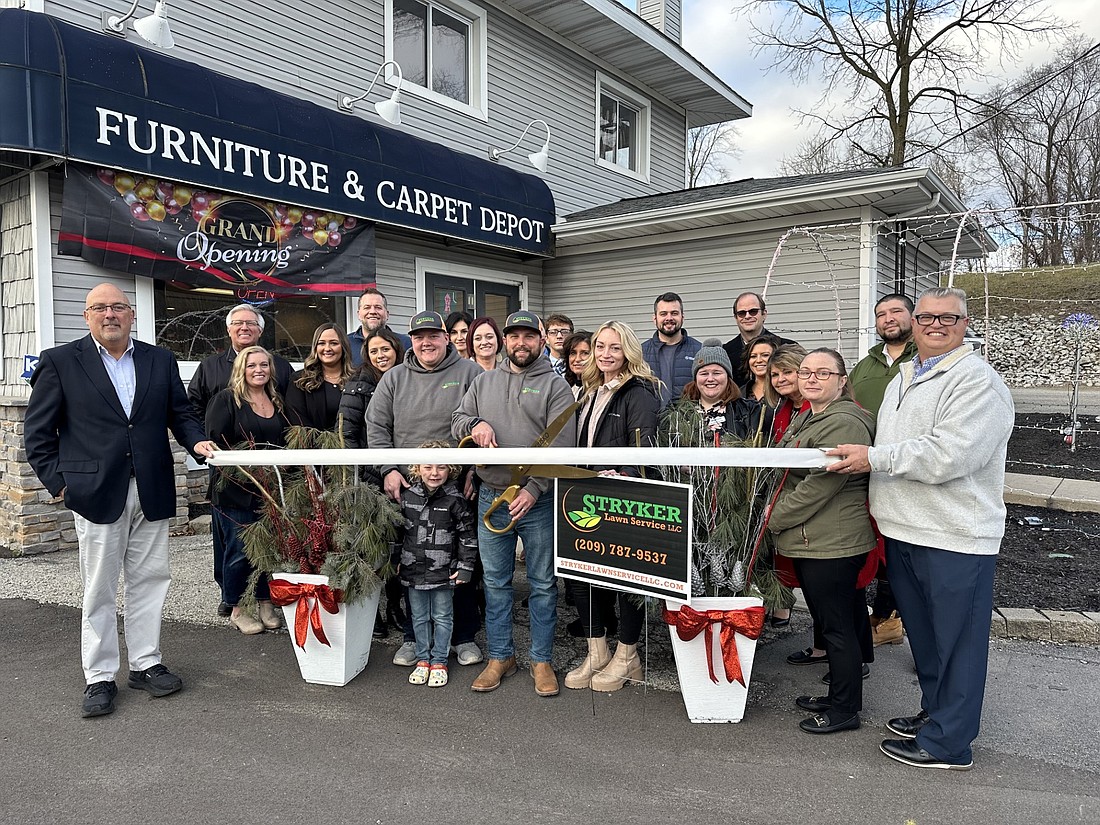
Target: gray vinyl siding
(17,296)
(338,46)
(708,273)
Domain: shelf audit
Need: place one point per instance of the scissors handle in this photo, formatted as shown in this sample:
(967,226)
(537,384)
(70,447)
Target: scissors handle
(507,497)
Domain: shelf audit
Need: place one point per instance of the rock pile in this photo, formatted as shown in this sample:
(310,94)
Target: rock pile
(1036,351)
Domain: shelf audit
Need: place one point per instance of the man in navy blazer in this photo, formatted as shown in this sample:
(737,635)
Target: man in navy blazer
(96,433)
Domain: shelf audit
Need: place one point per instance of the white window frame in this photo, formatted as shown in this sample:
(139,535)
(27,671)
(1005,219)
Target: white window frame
(613,88)
(473,273)
(478,107)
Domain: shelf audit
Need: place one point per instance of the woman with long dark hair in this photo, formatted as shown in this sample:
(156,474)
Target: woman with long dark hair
(382,351)
(313,397)
(458,330)
(576,351)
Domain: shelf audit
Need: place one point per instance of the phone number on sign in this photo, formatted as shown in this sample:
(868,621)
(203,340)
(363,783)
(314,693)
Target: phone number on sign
(609,549)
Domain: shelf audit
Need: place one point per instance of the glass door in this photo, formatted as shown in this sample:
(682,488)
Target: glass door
(447,294)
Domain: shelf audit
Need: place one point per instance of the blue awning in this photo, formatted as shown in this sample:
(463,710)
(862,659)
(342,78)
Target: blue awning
(72,93)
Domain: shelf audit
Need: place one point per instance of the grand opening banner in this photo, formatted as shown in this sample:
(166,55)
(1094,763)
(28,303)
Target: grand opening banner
(202,237)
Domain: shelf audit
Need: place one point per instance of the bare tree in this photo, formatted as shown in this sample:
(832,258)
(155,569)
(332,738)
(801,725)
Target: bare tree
(899,64)
(1039,137)
(709,148)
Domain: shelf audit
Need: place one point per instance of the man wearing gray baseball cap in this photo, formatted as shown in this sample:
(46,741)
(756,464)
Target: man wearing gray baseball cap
(511,407)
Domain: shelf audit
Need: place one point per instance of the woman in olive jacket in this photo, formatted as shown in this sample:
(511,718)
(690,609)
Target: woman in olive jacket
(821,522)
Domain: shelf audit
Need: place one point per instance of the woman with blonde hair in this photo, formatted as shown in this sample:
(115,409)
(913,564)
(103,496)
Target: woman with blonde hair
(249,412)
(313,397)
(782,393)
(621,401)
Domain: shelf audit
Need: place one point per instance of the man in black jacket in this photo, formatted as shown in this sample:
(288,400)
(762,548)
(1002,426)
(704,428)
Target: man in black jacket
(749,311)
(96,435)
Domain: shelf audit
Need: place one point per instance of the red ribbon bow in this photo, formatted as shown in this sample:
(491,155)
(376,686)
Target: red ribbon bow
(748,621)
(284,593)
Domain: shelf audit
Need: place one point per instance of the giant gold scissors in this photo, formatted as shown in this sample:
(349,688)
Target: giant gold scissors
(519,471)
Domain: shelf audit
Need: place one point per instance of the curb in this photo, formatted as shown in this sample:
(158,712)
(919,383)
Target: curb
(1065,626)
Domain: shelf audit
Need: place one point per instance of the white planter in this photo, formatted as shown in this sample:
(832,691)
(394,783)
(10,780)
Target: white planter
(349,633)
(706,701)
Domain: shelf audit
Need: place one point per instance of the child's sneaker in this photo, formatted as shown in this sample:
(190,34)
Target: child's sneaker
(420,674)
(438,676)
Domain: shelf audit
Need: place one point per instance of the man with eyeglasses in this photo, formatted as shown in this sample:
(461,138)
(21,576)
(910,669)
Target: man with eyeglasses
(670,352)
(244,325)
(937,492)
(749,311)
(96,435)
(868,380)
(558,328)
(374,314)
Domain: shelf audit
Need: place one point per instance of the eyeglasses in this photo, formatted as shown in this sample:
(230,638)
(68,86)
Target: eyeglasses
(747,313)
(244,323)
(101,309)
(820,375)
(555,331)
(926,319)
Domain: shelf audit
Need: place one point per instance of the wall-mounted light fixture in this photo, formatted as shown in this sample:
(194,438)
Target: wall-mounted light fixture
(389,110)
(538,159)
(153,29)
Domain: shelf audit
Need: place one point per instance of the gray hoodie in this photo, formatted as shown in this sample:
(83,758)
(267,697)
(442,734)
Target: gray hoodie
(412,405)
(518,404)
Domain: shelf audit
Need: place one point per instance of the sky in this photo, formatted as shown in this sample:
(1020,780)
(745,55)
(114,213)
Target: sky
(720,39)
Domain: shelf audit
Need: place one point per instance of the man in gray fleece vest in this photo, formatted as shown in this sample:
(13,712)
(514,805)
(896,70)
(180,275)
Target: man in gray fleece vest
(413,404)
(510,407)
(937,493)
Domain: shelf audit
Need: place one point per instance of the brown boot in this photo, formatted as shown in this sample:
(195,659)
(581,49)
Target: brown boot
(496,670)
(546,681)
(888,631)
(598,657)
(624,665)
(269,616)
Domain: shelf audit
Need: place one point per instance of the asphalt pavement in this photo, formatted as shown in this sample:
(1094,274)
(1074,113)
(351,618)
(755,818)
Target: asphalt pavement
(248,741)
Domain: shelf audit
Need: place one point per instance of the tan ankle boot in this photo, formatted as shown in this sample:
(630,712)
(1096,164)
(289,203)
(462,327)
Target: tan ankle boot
(598,656)
(624,665)
(888,631)
(269,616)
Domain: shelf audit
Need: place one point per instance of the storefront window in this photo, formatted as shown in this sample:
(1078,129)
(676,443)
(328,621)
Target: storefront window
(191,321)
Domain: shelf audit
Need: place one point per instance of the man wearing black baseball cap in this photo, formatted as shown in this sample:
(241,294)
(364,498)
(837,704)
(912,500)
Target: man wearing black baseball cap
(510,407)
(413,404)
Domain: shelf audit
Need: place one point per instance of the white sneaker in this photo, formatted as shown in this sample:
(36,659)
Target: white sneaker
(468,653)
(405,655)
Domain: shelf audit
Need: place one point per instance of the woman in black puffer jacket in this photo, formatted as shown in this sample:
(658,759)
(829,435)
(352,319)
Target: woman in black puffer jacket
(381,351)
(620,405)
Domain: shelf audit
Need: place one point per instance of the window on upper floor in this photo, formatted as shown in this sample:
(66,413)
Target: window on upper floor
(622,129)
(440,45)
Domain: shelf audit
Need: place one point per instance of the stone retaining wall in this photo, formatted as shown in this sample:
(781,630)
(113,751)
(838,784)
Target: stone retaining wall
(31,521)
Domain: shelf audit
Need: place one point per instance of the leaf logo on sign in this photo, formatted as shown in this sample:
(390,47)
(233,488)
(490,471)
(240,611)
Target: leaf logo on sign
(583,519)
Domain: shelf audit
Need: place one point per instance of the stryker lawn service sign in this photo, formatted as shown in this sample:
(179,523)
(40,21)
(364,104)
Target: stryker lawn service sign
(624,533)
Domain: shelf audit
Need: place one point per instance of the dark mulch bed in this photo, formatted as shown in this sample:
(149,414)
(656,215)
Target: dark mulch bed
(1038,447)
(1053,564)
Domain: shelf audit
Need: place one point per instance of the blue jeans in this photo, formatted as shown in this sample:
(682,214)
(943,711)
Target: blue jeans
(236,568)
(498,557)
(432,607)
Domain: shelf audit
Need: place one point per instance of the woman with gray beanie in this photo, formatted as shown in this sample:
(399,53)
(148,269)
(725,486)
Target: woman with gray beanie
(713,396)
